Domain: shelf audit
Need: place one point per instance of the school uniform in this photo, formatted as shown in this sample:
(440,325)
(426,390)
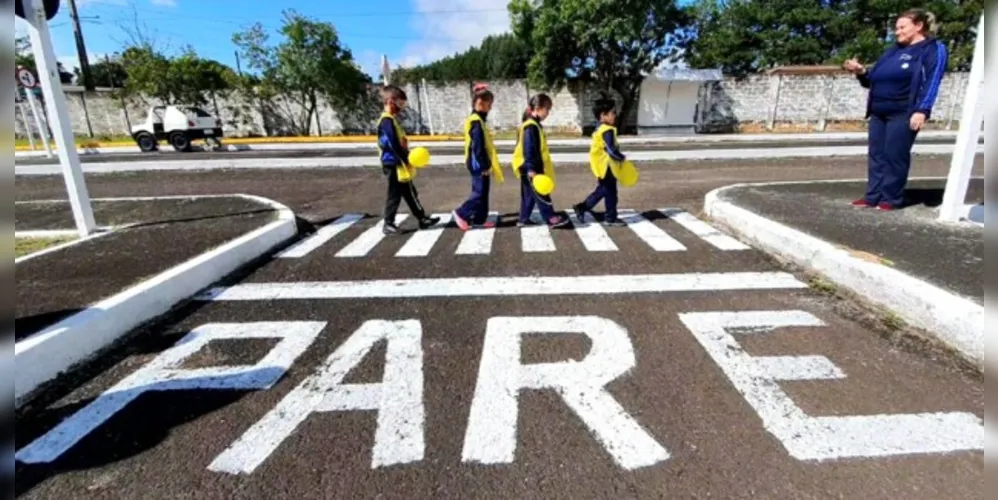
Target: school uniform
(532,155)
(394,154)
(605,161)
(482,162)
(904,81)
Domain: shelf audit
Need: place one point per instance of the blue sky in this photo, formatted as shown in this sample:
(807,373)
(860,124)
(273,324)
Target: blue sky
(409,31)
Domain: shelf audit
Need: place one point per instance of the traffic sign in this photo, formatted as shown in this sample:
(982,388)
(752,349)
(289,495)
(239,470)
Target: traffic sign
(26,78)
(51,8)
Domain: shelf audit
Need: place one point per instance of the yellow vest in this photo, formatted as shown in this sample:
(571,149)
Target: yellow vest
(598,157)
(405,172)
(518,160)
(495,169)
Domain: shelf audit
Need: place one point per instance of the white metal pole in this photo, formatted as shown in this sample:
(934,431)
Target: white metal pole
(27,125)
(55,100)
(962,162)
(40,122)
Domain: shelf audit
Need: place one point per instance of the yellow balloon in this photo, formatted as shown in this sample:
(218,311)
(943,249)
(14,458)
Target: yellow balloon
(419,157)
(543,184)
(628,174)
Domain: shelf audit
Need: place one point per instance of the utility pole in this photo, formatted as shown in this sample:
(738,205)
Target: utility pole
(81,48)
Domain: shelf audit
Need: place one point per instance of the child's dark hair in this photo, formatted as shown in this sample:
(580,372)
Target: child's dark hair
(538,101)
(389,92)
(481,92)
(602,106)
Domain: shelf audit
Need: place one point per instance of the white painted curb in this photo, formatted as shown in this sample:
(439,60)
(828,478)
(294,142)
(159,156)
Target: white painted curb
(955,320)
(445,160)
(43,356)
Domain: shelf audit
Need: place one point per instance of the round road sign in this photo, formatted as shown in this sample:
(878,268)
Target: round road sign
(26,78)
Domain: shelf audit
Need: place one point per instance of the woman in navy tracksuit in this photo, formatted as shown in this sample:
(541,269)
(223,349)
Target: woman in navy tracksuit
(904,84)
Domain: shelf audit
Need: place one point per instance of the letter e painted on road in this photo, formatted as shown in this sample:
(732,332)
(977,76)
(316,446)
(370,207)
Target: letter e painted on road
(491,434)
(163,374)
(820,438)
(398,399)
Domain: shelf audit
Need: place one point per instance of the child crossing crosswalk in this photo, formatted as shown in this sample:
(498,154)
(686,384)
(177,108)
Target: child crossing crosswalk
(533,238)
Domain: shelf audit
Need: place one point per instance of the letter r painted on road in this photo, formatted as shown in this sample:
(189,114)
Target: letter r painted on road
(491,434)
(819,438)
(163,374)
(398,399)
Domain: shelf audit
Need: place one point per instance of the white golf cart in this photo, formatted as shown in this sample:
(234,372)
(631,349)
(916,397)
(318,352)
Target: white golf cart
(178,125)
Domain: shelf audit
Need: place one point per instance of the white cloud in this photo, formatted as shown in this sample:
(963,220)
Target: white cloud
(164,3)
(453,26)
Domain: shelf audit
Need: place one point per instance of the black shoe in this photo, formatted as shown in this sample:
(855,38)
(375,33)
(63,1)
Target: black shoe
(390,229)
(428,222)
(614,223)
(580,210)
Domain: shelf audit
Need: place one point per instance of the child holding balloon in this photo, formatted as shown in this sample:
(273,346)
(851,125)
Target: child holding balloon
(482,161)
(532,163)
(608,164)
(397,163)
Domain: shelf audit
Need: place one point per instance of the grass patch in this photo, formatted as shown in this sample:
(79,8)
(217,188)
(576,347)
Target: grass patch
(822,285)
(25,246)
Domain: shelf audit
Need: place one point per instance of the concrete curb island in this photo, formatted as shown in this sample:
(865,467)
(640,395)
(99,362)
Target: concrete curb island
(79,338)
(955,320)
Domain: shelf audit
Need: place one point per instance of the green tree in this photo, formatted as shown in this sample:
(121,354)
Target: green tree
(310,62)
(498,57)
(614,43)
(746,36)
(105,72)
(185,79)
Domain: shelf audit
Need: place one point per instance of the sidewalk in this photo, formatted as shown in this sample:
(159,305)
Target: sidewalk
(929,273)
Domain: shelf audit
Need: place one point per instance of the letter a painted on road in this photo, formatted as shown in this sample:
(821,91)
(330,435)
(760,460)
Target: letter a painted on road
(820,438)
(398,399)
(164,374)
(491,434)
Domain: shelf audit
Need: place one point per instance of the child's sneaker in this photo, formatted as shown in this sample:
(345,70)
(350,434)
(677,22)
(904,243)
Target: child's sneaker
(428,222)
(558,221)
(886,207)
(580,210)
(862,203)
(528,223)
(614,223)
(390,229)
(461,223)
(489,224)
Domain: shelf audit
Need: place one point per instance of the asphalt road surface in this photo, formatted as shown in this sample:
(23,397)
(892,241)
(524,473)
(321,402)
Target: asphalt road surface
(167,154)
(658,360)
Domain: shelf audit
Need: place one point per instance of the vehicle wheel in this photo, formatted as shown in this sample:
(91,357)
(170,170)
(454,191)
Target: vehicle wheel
(180,142)
(146,142)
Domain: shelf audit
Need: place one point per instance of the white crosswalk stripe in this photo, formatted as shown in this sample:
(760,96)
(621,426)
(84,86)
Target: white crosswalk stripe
(536,238)
(321,236)
(593,236)
(532,239)
(478,240)
(654,236)
(421,242)
(705,231)
(370,239)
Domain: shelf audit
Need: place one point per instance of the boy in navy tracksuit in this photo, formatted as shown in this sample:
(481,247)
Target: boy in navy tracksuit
(394,149)
(602,151)
(904,84)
